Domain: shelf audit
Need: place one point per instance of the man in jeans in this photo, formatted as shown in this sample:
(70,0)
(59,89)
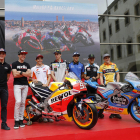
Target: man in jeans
(5,71)
(21,70)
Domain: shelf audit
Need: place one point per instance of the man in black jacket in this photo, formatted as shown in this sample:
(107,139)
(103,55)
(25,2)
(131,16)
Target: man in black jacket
(5,71)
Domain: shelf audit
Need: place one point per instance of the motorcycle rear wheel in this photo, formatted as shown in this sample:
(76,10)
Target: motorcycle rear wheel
(89,119)
(33,118)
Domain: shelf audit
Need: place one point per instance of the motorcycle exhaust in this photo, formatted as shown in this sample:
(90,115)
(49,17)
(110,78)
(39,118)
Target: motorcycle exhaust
(35,106)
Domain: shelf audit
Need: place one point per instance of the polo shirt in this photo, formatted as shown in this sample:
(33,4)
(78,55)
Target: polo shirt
(4,70)
(76,68)
(109,72)
(59,69)
(40,73)
(91,70)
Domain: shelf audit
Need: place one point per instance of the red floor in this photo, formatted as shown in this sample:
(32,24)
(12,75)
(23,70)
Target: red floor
(105,129)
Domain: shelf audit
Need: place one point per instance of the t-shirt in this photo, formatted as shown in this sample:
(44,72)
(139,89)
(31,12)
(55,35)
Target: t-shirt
(20,67)
(4,70)
(59,69)
(109,72)
(40,73)
(91,70)
(76,68)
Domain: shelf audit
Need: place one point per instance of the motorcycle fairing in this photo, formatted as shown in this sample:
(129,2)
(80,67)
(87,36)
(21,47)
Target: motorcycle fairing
(55,85)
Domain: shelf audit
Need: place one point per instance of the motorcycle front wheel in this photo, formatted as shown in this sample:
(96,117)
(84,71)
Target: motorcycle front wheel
(135,111)
(89,119)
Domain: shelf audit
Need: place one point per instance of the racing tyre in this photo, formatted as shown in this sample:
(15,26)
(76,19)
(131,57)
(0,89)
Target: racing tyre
(100,111)
(83,39)
(92,42)
(33,118)
(135,111)
(89,119)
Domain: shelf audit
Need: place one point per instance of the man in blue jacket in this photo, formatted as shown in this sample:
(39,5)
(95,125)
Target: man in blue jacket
(76,67)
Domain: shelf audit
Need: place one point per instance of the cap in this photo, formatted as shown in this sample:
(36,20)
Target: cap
(91,56)
(22,51)
(76,53)
(39,55)
(2,50)
(105,55)
(57,51)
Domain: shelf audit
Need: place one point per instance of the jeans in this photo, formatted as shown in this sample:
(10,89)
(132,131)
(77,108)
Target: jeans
(20,93)
(4,100)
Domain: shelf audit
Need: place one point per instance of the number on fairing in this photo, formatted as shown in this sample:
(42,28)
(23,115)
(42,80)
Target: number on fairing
(82,86)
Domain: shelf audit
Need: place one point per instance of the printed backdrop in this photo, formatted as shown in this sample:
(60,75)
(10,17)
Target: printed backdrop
(40,27)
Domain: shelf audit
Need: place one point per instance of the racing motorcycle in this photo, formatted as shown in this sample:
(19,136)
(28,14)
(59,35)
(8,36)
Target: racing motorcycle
(65,102)
(52,41)
(27,41)
(117,97)
(77,34)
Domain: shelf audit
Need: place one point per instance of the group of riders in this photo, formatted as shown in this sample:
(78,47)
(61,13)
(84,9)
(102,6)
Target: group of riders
(107,72)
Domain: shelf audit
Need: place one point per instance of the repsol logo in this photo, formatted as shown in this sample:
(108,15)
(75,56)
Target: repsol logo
(60,97)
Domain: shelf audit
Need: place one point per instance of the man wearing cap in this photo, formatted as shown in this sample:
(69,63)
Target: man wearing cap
(76,67)
(5,71)
(21,70)
(91,71)
(58,68)
(41,73)
(109,72)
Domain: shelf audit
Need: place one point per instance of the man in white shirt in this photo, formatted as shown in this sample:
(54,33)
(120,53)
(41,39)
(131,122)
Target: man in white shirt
(41,73)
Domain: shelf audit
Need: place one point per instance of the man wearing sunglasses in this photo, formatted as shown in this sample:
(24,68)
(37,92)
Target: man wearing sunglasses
(109,72)
(58,68)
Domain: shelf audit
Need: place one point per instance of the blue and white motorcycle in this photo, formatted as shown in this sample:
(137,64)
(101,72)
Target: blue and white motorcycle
(117,97)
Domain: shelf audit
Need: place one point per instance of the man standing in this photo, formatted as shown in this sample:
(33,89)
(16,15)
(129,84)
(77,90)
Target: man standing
(21,70)
(58,68)
(41,73)
(91,71)
(5,71)
(76,67)
(109,72)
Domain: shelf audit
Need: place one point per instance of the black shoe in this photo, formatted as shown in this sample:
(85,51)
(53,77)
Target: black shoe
(115,116)
(16,126)
(5,127)
(111,116)
(21,124)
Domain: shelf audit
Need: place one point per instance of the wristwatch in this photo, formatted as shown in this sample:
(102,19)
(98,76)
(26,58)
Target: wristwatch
(21,73)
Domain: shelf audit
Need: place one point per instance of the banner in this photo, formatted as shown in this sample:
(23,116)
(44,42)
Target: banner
(40,27)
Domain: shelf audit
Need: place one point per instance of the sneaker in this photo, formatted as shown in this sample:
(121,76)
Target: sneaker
(115,116)
(111,116)
(51,120)
(45,120)
(16,126)
(5,127)
(21,124)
